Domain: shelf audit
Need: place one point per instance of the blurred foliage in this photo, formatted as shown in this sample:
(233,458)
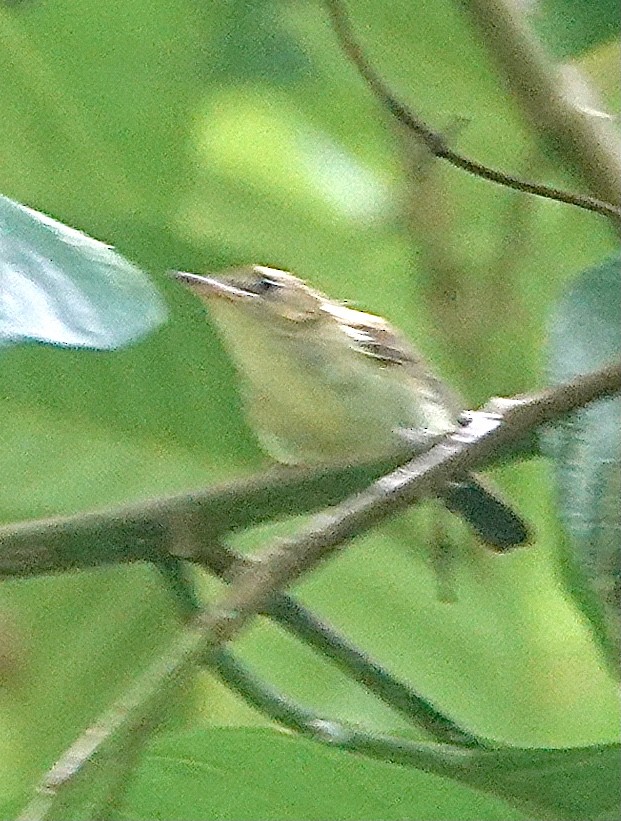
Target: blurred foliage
(313,783)
(307,780)
(196,136)
(572,27)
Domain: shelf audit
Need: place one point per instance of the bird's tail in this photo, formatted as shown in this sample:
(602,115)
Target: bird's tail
(491,518)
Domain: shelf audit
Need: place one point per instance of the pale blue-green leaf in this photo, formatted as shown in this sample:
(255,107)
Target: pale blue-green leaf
(62,287)
(586,333)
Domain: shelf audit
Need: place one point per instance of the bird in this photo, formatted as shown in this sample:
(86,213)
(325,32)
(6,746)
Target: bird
(324,383)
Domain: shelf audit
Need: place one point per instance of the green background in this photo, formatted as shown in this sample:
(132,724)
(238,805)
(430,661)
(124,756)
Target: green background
(196,136)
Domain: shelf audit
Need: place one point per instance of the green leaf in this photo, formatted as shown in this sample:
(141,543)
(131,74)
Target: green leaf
(570,783)
(239,774)
(62,287)
(129,122)
(576,783)
(586,333)
(572,27)
(224,773)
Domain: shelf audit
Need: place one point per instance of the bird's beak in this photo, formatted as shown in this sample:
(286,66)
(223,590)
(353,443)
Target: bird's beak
(209,287)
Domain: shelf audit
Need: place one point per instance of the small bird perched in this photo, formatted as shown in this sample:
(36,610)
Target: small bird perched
(325,383)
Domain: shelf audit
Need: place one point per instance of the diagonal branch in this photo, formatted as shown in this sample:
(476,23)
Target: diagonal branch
(146,531)
(492,770)
(298,620)
(507,423)
(547,95)
(468,449)
(141,531)
(435,141)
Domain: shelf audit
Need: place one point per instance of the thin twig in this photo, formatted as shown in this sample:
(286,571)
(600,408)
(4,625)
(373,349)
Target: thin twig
(334,647)
(252,590)
(142,531)
(547,95)
(492,770)
(434,140)
(278,707)
(467,449)
(269,701)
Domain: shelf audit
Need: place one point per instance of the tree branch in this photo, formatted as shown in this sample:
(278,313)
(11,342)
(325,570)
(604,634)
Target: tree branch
(435,141)
(335,648)
(589,144)
(142,531)
(491,769)
(505,423)
(149,530)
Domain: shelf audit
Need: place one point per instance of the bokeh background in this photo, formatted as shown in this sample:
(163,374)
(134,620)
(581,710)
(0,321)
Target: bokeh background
(198,136)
